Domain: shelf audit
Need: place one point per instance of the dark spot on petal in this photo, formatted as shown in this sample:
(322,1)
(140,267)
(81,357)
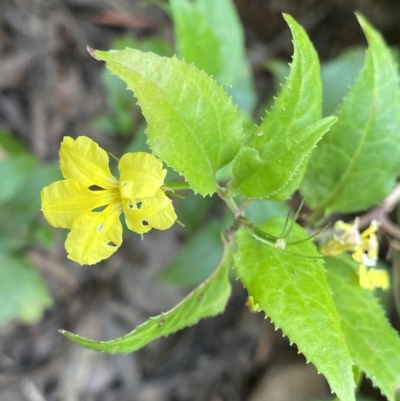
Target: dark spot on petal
(200,297)
(96,188)
(130,205)
(99,209)
(138,205)
(111,244)
(145,222)
(161,322)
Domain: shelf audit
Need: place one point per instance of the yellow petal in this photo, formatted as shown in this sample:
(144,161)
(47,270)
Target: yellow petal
(144,214)
(363,277)
(95,236)
(379,278)
(334,247)
(141,175)
(83,160)
(373,278)
(63,201)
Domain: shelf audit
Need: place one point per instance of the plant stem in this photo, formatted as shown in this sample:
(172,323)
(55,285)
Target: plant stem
(177,185)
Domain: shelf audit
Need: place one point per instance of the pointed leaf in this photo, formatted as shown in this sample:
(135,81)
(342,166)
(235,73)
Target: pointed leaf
(264,175)
(208,299)
(372,341)
(356,164)
(286,136)
(192,124)
(294,293)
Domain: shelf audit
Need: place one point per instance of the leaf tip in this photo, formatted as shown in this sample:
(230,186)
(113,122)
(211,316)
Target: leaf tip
(67,334)
(91,51)
(368,29)
(288,18)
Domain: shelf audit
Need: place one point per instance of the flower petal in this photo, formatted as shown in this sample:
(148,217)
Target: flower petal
(379,278)
(95,236)
(144,214)
(83,160)
(363,277)
(141,175)
(373,278)
(63,201)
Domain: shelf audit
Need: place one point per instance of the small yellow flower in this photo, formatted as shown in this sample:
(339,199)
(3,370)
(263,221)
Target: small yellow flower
(364,250)
(90,199)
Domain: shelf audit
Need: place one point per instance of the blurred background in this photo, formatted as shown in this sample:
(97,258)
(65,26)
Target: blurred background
(50,87)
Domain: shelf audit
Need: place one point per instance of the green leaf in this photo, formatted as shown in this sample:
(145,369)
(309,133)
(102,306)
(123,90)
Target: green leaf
(190,267)
(222,17)
(372,341)
(208,299)
(23,293)
(18,216)
(294,293)
(264,175)
(337,76)
(210,35)
(10,146)
(195,41)
(192,124)
(14,173)
(39,176)
(283,141)
(356,164)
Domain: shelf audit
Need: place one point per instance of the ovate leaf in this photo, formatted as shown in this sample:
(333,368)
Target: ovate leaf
(192,124)
(294,293)
(372,341)
(283,141)
(356,164)
(208,299)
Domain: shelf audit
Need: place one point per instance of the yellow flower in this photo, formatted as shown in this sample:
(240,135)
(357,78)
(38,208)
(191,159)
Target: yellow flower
(364,250)
(90,199)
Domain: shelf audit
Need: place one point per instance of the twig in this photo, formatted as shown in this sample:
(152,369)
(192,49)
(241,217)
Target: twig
(381,211)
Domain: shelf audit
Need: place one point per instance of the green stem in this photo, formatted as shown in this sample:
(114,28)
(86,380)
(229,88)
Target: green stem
(177,185)
(232,205)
